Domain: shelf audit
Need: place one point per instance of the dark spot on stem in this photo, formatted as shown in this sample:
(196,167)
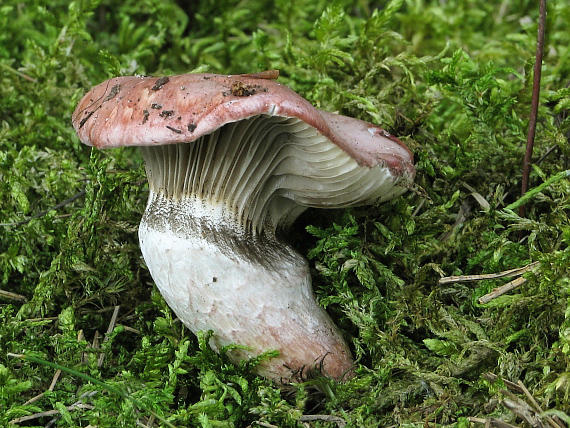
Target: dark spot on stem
(156,106)
(191,127)
(145,116)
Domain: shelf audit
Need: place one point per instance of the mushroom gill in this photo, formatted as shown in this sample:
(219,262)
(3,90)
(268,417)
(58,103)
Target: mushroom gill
(216,210)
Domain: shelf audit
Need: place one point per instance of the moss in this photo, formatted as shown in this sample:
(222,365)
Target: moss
(452,79)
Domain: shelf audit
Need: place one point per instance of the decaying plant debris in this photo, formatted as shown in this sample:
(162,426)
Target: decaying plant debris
(452,79)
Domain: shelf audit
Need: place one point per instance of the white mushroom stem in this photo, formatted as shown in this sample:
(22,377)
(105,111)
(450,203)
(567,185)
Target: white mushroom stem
(261,304)
(210,237)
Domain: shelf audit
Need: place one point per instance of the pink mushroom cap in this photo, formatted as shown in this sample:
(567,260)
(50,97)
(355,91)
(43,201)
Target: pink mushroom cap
(148,111)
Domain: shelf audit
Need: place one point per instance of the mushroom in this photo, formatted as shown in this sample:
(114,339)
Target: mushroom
(231,162)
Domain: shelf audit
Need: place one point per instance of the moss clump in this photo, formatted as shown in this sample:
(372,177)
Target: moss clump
(452,79)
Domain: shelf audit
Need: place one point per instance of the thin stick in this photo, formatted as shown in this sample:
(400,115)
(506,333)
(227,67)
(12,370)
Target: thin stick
(550,420)
(58,206)
(49,413)
(110,328)
(503,289)
(534,102)
(510,272)
(18,73)
(54,380)
(267,74)
(12,296)
(266,425)
(491,422)
(513,387)
(42,319)
(327,418)
(117,391)
(78,403)
(51,388)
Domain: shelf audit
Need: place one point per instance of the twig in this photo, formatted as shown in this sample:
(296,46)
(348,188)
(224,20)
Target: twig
(131,329)
(114,390)
(149,423)
(531,413)
(419,207)
(520,408)
(524,411)
(266,425)
(12,296)
(537,407)
(534,102)
(498,291)
(54,380)
(503,289)
(513,387)
(327,418)
(79,402)
(18,73)
(42,319)
(510,272)
(491,422)
(530,397)
(546,154)
(41,214)
(50,413)
(51,388)
(110,328)
(84,356)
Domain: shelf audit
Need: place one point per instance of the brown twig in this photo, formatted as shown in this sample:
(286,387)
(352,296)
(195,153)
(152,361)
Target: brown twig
(511,386)
(529,411)
(18,73)
(51,388)
(551,421)
(110,328)
(327,418)
(510,272)
(50,413)
(534,103)
(503,289)
(12,296)
(491,422)
(58,206)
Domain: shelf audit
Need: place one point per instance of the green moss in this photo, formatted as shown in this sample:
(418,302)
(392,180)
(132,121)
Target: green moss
(452,79)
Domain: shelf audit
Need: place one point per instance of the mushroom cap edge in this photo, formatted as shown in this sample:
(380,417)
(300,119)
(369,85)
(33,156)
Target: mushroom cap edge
(147,111)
